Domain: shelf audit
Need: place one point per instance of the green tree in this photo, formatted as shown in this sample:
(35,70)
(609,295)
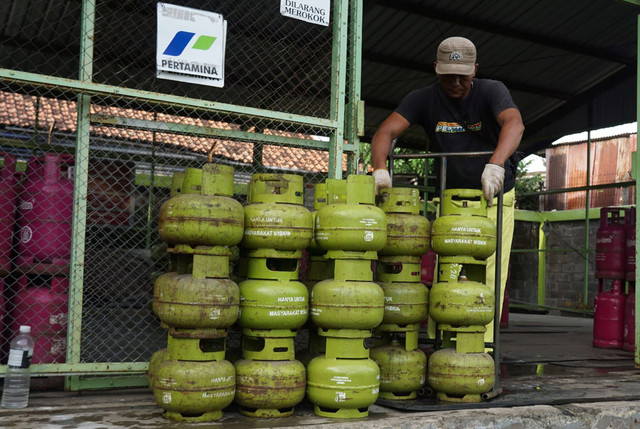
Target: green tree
(400,166)
(527,184)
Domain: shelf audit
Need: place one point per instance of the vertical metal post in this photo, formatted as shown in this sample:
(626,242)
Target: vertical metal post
(355,108)
(637,166)
(338,85)
(497,283)
(587,203)
(151,190)
(443,186)
(426,183)
(81,175)
(36,122)
(542,264)
(443,181)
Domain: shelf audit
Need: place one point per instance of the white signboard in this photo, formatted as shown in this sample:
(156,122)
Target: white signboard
(190,45)
(313,11)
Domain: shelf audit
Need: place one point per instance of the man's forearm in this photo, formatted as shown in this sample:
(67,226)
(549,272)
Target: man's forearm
(508,141)
(380,147)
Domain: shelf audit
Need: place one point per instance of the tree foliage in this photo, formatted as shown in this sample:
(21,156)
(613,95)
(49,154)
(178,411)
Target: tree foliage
(527,184)
(400,166)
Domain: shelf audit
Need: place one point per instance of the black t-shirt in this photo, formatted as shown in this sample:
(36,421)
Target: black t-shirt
(487,99)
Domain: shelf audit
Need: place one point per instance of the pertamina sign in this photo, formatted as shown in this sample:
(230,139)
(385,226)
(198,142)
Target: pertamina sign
(190,45)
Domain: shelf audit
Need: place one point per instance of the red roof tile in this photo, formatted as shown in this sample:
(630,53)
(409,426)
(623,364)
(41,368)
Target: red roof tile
(20,111)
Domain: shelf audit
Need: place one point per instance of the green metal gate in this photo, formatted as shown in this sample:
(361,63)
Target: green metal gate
(80,80)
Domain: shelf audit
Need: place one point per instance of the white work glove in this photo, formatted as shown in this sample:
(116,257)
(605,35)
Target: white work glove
(382,178)
(492,181)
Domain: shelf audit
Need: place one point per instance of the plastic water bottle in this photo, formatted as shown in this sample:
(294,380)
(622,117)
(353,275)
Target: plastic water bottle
(15,393)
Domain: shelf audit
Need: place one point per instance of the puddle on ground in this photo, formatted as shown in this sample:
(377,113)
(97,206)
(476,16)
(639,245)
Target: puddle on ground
(568,369)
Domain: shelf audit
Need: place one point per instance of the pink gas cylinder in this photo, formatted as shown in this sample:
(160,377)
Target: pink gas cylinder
(42,302)
(504,314)
(8,193)
(44,215)
(608,316)
(611,244)
(630,244)
(629,338)
(427,267)
(3,312)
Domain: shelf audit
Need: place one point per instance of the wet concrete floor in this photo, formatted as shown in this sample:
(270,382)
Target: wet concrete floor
(550,374)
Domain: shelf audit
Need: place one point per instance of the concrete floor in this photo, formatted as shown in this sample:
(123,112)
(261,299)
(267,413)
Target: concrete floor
(551,377)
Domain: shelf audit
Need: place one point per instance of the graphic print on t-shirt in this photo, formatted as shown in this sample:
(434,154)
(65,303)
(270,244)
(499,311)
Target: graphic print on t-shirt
(454,127)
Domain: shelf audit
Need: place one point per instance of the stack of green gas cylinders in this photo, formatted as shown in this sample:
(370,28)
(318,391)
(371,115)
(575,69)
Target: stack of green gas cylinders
(402,364)
(343,382)
(196,301)
(348,239)
(461,303)
(273,303)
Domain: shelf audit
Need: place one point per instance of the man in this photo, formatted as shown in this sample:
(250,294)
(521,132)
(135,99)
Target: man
(462,114)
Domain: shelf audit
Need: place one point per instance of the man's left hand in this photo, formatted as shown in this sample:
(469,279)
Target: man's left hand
(492,181)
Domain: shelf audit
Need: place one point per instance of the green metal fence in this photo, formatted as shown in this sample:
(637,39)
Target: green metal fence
(80,80)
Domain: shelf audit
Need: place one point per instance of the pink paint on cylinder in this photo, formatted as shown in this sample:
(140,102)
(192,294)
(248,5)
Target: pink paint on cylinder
(630,247)
(8,199)
(630,320)
(42,302)
(45,210)
(3,312)
(611,260)
(427,267)
(608,316)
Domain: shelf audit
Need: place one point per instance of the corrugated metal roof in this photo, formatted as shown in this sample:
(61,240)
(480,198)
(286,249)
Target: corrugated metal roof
(570,65)
(603,133)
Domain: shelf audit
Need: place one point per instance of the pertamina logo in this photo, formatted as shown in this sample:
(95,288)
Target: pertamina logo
(188,54)
(182,39)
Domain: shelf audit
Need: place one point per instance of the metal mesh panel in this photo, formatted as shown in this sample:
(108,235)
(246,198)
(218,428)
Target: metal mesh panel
(128,179)
(41,37)
(273,63)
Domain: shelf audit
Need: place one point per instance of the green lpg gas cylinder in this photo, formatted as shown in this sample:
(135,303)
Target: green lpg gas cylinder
(273,304)
(319,201)
(342,388)
(272,298)
(405,298)
(192,391)
(156,359)
(274,216)
(404,304)
(203,214)
(351,221)
(337,304)
(402,371)
(350,300)
(464,229)
(462,303)
(176,183)
(269,388)
(460,377)
(408,233)
(183,301)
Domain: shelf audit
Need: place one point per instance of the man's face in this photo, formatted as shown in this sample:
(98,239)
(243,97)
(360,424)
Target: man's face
(457,86)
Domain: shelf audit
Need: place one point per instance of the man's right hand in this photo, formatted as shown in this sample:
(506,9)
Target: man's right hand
(382,178)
